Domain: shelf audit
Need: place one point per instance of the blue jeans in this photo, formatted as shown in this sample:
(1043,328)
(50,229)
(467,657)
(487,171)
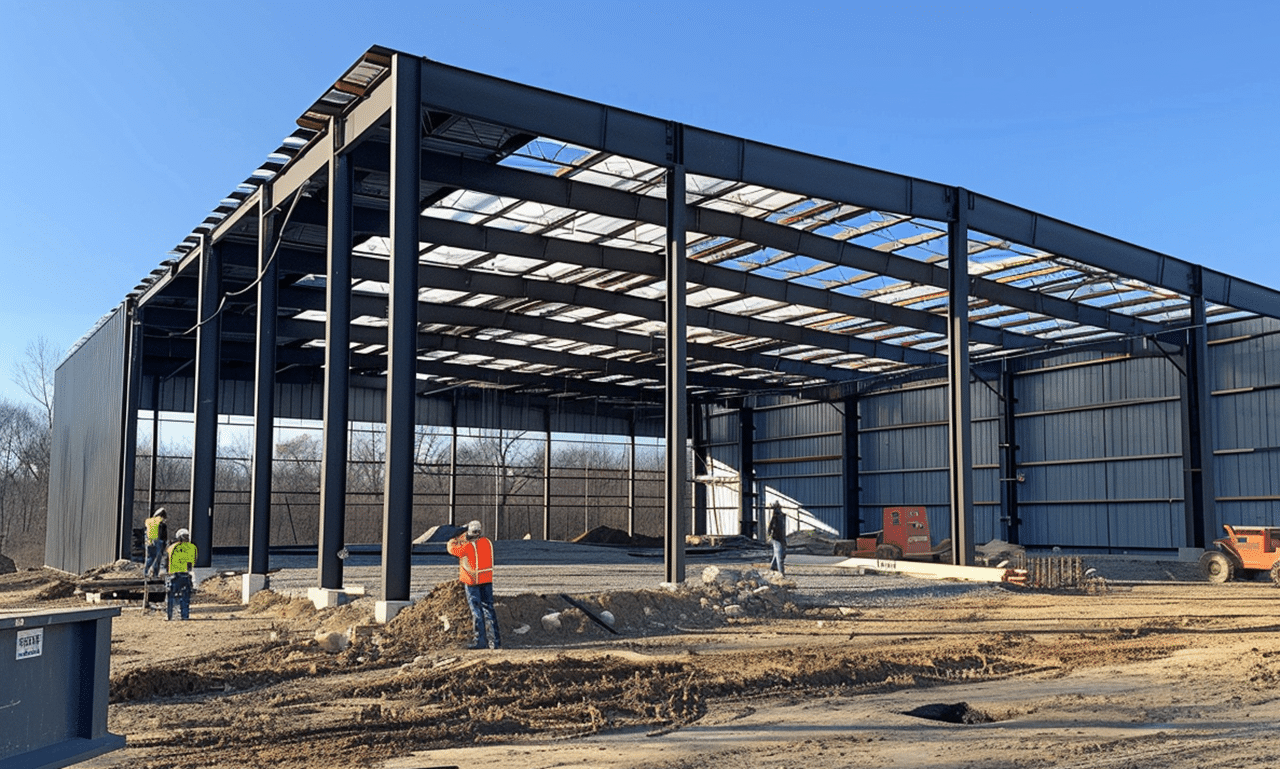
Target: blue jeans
(779,556)
(480,599)
(180,591)
(155,556)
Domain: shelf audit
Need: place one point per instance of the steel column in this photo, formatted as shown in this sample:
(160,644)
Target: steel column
(453,460)
(402,332)
(155,443)
(676,401)
(204,455)
(546,476)
(1201,508)
(264,390)
(1009,457)
(850,467)
(337,372)
(960,435)
(697,412)
(129,432)
(746,472)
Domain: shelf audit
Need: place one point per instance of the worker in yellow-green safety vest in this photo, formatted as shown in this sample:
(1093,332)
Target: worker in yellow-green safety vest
(182,559)
(157,531)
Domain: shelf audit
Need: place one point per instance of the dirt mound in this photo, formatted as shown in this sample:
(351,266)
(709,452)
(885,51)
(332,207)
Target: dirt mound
(442,619)
(605,535)
(121,569)
(439,620)
(18,589)
(280,605)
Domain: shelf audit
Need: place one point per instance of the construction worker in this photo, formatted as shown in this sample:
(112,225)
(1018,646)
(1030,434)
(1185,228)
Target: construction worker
(157,531)
(778,539)
(182,559)
(475,572)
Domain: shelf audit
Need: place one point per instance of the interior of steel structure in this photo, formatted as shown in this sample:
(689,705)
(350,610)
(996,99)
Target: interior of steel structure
(434,246)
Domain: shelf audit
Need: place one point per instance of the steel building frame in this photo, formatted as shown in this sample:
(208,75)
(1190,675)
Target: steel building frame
(429,228)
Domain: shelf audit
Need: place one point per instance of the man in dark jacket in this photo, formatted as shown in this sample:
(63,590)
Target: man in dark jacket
(778,538)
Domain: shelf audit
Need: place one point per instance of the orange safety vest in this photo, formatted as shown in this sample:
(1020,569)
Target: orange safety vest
(475,560)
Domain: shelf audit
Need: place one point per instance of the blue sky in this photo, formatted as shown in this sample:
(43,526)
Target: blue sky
(124,123)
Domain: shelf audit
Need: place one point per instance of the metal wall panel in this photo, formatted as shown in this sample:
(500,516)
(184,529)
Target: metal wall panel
(85,461)
(1107,472)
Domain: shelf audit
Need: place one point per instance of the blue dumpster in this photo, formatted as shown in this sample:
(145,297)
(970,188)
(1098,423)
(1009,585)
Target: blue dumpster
(54,677)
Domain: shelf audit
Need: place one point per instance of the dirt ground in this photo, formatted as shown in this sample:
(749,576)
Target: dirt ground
(737,672)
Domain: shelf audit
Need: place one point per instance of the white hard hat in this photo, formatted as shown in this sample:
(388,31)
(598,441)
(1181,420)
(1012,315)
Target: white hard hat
(474,529)
(183,534)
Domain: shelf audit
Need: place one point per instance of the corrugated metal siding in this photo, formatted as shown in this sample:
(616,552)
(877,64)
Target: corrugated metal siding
(1107,474)
(1246,422)
(85,460)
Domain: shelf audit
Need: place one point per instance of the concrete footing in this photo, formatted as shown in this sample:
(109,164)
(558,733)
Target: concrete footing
(201,573)
(328,598)
(250,584)
(385,611)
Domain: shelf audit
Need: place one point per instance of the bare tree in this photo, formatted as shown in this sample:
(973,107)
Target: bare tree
(24,482)
(35,374)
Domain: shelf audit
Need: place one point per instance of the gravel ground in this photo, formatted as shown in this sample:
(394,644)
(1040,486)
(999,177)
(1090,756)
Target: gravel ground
(533,566)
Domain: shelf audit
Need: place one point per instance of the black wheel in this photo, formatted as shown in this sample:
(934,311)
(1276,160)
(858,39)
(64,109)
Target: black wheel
(888,552)
(1217,567)
(1275,573)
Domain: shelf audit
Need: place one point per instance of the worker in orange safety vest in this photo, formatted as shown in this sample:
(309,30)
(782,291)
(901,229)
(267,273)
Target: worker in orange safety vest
(475,571)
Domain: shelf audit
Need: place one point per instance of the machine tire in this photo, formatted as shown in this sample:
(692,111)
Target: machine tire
(1216,566)
(887,552)
(1275,573)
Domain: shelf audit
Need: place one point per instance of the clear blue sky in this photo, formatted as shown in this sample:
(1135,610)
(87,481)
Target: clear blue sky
(124,123)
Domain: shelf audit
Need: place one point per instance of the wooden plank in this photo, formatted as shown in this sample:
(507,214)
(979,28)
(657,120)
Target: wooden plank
(937,570)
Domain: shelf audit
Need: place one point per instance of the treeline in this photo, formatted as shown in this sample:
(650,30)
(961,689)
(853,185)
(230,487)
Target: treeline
(499,479)
(26,431)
